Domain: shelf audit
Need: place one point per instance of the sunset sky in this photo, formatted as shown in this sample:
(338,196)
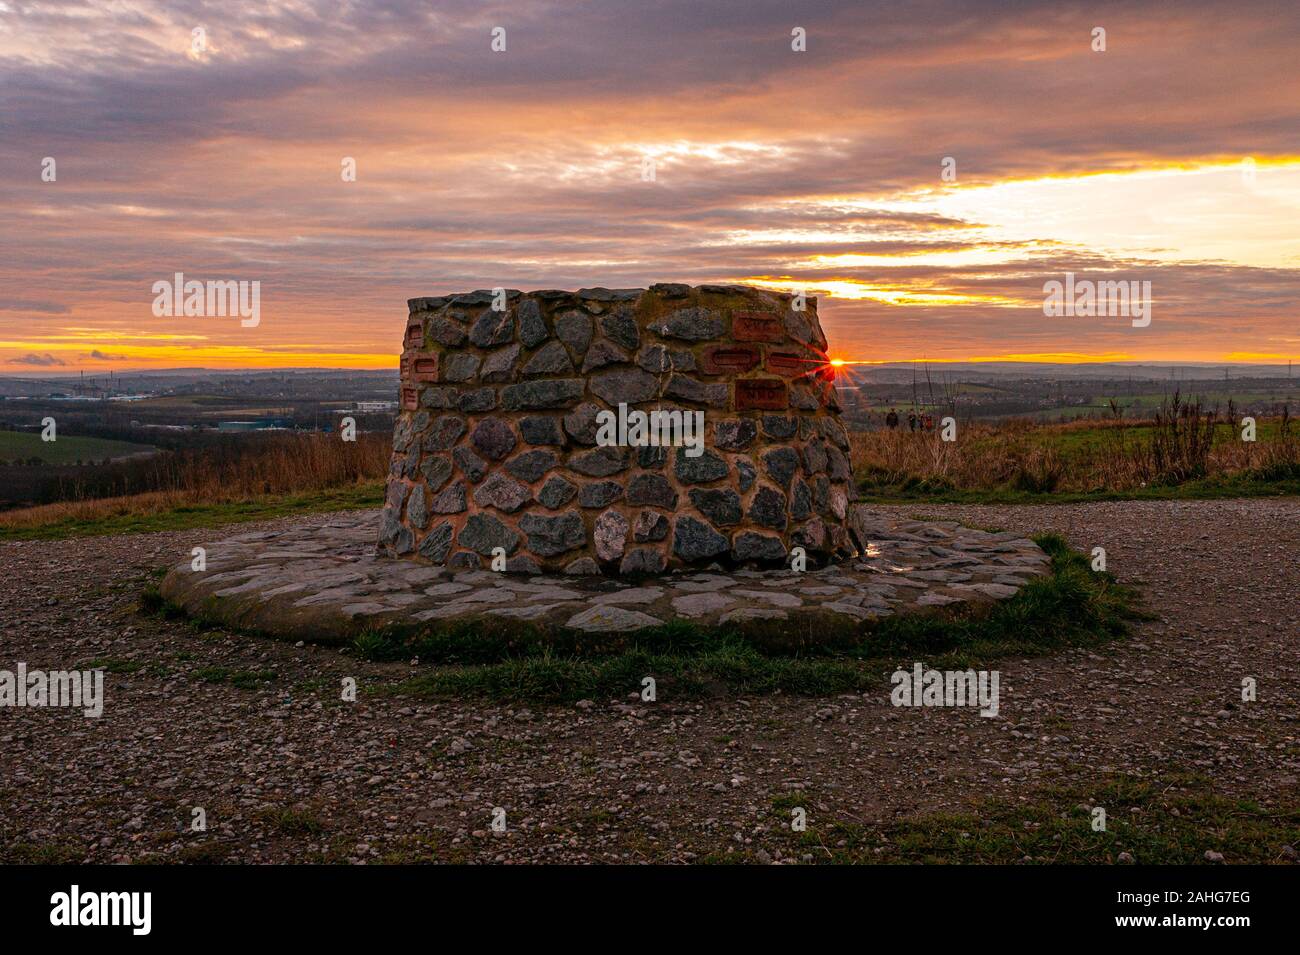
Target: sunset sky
(818,170)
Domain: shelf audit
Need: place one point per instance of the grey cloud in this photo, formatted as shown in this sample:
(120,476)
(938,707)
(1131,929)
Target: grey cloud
(37,361)
(29,305)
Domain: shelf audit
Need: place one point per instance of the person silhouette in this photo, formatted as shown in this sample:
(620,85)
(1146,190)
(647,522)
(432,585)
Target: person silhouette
(891,419)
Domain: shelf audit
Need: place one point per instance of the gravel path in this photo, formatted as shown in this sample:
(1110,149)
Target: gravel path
(285,771)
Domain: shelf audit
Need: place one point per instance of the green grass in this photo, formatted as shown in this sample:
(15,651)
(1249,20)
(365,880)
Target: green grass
(813,654)
(294,822)
(65,449)
(49,853)
(176,402)
(1071,442)
(1169,822)
(370,494)
(1209,397)
(937,492)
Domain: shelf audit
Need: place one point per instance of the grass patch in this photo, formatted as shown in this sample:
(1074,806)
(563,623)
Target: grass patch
(154,604)
(1169,822)
(128,516)
(50,853)
(416,849)
(933,491)
(733,667)
(290,821)
(813,654)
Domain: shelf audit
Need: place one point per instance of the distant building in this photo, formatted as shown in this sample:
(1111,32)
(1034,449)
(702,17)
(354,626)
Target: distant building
(258,424)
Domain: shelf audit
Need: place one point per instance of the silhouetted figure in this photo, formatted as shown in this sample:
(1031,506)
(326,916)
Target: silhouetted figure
(891,419)
(911,420)
(927,422)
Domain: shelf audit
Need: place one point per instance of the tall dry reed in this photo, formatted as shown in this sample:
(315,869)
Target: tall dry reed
(1181,442)
(243,469)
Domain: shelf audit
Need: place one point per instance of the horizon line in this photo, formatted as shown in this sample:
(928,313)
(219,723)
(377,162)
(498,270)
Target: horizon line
(1081,361)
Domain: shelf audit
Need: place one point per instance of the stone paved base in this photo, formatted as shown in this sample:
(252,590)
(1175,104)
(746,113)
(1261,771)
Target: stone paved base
(320,579)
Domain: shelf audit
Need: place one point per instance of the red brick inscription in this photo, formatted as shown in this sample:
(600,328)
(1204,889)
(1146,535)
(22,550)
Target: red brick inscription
(724,359)
(410,399)
(789,364)
(756,327)
(766,394)
(426,368)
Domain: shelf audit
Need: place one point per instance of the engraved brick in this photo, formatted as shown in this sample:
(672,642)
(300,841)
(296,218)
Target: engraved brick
(425,368)
(757,327)
(763,394)
(790,364)
(729,359)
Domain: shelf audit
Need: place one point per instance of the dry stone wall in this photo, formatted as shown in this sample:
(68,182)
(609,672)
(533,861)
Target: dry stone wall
(501,448)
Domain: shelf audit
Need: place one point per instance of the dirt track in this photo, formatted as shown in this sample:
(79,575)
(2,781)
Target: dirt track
(389,777)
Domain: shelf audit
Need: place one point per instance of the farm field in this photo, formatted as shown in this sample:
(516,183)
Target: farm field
(67,449)
(1139,405)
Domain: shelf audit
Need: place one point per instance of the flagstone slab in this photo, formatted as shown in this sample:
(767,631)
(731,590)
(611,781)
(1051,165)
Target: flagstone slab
(327,582)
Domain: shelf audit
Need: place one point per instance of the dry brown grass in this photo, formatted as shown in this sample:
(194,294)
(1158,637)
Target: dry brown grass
(988,455)
(132,505)
(253,468)
(1182,443)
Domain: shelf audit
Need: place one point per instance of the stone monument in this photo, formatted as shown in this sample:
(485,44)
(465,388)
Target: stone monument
(617,431)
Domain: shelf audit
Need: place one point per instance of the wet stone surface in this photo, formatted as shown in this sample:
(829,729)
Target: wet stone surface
(321,579)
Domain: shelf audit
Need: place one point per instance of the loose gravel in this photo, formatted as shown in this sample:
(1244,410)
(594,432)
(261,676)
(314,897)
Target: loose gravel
(253,731)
